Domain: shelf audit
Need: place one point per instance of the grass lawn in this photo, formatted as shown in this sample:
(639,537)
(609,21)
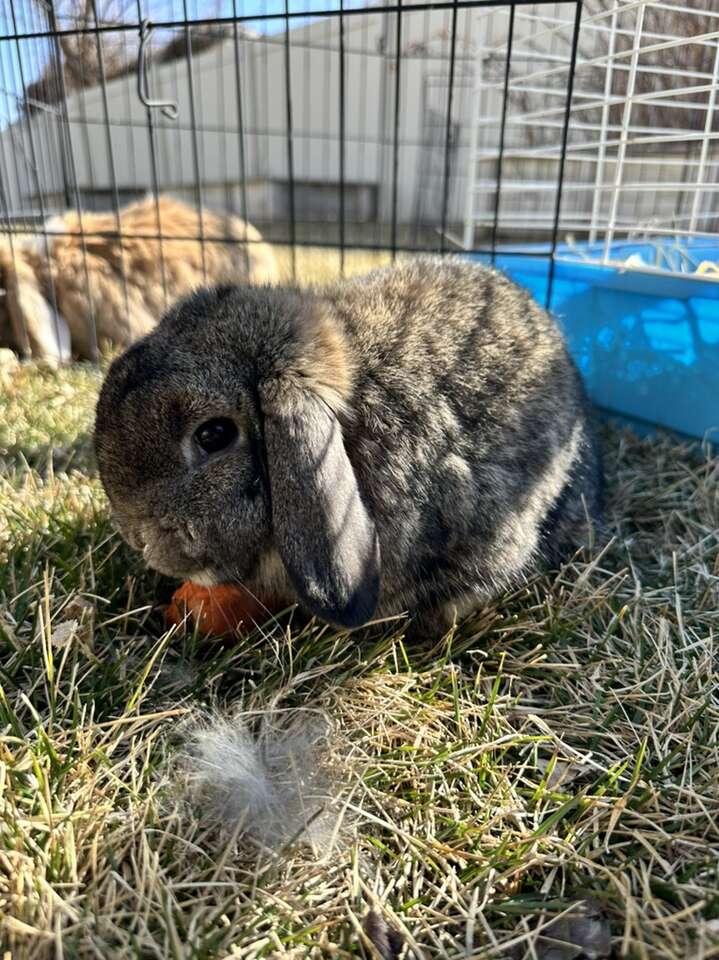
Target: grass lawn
(562,744)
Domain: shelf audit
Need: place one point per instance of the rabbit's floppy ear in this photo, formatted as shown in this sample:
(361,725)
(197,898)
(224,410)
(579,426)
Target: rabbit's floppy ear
(323,531)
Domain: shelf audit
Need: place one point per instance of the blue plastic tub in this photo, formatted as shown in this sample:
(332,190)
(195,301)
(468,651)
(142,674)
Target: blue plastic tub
(646,340)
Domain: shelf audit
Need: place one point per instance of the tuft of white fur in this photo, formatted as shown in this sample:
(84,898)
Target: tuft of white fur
(205,578)
(263,776)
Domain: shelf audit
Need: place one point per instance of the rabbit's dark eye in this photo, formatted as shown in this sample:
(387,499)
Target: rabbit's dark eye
(215,435)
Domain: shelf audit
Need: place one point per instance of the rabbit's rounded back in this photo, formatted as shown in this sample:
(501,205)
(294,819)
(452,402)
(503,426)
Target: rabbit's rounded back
(415,440)
(472,434)
(170,237)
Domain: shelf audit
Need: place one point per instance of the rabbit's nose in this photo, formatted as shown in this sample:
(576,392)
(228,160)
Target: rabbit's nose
(135,539)
(183,533)
(131,532)
(172,526)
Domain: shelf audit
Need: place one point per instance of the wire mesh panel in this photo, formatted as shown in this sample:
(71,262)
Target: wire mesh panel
(329,125)
(621,201)
(641,152)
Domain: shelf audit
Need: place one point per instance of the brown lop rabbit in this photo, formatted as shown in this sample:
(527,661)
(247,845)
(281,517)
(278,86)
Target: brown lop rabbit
(416,440)
(107,291)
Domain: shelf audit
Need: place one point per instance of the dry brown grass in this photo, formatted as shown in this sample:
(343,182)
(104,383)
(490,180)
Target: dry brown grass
(318,264)
(562,743)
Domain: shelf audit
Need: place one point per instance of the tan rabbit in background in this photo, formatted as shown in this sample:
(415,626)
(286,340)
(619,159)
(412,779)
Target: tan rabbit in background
(112,291)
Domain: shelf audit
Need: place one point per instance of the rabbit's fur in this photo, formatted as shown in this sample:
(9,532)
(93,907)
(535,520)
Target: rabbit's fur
(414,440)
(51,294)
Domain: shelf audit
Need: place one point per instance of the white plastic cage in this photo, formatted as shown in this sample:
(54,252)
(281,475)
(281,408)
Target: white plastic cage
(641,156)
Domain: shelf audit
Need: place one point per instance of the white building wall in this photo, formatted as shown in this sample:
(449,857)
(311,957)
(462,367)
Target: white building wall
(123,157)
